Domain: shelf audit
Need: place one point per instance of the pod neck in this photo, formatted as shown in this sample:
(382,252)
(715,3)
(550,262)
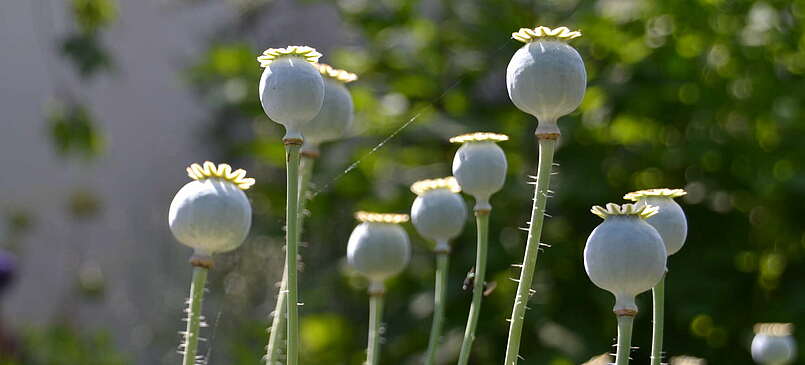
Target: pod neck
(376,288)
(547,129)
(482,205)
(309,150)
(292,136)
(201,259)
(625,305)
(442,247)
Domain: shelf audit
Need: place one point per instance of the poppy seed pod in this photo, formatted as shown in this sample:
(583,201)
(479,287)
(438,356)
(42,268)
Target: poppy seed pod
(624,255)
(291,88)
(773,344)
(379,248)
(336,112)
(480,166)
(212,214)
(546,77)
(438,212)
(670,221)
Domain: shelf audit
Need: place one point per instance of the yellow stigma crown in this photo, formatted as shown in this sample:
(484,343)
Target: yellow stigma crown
(642,210)
(381,217)
(222,171)
(479,137)
(309,54)
(660,193)
(336,74)
(424,186)
(604,359)
(687,360)
(774,329)
(527,35)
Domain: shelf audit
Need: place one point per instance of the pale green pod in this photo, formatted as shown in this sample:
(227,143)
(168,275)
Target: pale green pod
(212,214)
(480,166)
(625,255)
(337,110)
(546,77)
(773,344)
(670,221)
(291,88)
(438,213)
(379,247)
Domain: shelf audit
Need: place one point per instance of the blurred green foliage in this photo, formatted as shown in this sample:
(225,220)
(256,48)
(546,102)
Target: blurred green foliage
(64,345)
(73,131)
(700,94)
(84,46)
(71,125)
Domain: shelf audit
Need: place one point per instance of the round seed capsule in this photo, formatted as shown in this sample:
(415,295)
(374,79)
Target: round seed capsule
(212,214)
(773,344)
(438,212)
(480,166)
(291,88)
(546,77)
(670,221)
(379,248)
(624,255)
(336,114)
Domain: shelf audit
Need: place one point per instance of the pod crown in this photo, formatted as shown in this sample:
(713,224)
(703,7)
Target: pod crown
(663,192)
(604,359)
(641,210)
(687,360)
(528,35)
(479,137)
(223,171)
(309,54)
(424,186)
(774,329)
(336,74)
(372,217)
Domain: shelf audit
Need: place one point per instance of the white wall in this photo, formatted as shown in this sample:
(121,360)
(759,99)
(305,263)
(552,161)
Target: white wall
(151,124)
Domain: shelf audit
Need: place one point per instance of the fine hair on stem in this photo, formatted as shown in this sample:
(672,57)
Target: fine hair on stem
(547,144)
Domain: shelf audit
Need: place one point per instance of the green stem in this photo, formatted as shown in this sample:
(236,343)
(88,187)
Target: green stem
(375,319)
(440,294)
(624,339)
(292,241)
(482,220)
(305,172)
(194,315)
(659,321)
(546,149)
(279,323)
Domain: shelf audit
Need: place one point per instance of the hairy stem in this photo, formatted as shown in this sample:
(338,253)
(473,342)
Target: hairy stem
(279,326)
(440,293)
(292,241)
(624,339)
(659,321)
(546,149)
(482,221)
(375,320)
(194,315)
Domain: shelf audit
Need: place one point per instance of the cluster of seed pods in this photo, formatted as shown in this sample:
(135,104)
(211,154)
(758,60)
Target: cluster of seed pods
(627,254)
